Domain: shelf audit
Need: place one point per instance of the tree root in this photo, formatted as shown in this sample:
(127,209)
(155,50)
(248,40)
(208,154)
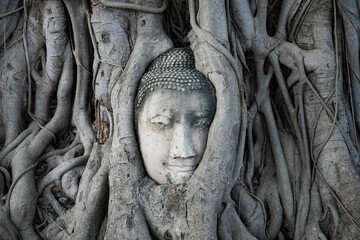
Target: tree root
(135,7)
(11,146)
(231,227)
(211,37)
(8,230)
(251,211)
(13,87)
(57,172)
(151,41)
(60,210)
(82,54)
(23,198)
(50,154)
(84,225)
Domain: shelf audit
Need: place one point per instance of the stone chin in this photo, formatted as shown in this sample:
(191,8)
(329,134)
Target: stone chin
(178,175)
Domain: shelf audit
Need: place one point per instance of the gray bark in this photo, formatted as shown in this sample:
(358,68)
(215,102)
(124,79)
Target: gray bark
(281,160)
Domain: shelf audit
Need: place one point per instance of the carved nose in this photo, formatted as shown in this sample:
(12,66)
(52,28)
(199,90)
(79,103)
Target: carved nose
(181,144)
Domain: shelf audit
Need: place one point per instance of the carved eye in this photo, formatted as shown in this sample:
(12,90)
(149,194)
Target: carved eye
(201,123)
(161,122)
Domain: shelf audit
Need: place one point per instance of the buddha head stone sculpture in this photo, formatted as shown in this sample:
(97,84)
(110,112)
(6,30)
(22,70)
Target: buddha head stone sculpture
(174,108)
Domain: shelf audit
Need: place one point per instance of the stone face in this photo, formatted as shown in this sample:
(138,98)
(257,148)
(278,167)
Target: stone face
(174,109)
(172,129)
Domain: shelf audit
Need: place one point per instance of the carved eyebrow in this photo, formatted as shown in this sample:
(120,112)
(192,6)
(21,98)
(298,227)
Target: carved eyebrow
(163,112)
(202,114)
(160,115)
(168,111)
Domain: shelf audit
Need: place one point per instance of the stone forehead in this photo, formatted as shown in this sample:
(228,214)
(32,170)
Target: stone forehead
(174,70)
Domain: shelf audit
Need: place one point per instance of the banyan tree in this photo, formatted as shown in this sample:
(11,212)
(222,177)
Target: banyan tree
(262,133)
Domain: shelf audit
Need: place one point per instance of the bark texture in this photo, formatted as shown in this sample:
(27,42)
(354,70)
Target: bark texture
(282,155)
